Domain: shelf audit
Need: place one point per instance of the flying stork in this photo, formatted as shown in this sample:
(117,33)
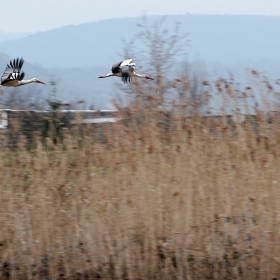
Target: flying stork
(125,70)
(12,76)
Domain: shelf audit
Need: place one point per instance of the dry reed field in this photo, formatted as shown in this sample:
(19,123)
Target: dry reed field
(168,193)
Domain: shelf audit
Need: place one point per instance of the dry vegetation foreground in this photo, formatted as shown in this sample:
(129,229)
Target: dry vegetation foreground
(195,199)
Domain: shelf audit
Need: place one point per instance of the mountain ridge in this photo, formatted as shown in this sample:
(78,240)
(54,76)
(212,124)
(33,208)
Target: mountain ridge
(221,37)
(75,55)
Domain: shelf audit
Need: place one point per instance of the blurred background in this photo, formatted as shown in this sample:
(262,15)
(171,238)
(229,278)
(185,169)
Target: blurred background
(172,178)
(74,43)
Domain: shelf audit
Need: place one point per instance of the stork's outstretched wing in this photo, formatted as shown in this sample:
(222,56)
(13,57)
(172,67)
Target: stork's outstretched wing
(12,71)
(127,62)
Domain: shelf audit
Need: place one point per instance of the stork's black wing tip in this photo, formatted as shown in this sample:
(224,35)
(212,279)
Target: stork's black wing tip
(16,63)
(21,61)
(21,76)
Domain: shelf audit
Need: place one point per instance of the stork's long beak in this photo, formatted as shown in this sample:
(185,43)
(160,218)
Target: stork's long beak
(149,78)
(100,77)
(40,82)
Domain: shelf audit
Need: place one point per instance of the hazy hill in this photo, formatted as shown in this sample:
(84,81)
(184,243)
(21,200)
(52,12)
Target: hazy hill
(76,55)
(4,36)
(213,37)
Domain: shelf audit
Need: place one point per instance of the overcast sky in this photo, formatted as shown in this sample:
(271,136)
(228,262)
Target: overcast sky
(34,15)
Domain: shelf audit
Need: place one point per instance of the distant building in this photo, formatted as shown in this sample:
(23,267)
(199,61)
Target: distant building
(75,116)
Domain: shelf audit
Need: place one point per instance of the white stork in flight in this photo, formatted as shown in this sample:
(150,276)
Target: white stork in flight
(12,76)
(125,70)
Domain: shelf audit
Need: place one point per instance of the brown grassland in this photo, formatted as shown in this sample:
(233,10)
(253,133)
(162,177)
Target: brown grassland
(167,194)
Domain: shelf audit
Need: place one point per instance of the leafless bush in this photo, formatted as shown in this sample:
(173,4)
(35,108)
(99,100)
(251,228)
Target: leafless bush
(164,57)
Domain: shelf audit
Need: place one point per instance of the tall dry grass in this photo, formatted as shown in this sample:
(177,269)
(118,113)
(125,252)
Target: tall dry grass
(167,194)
